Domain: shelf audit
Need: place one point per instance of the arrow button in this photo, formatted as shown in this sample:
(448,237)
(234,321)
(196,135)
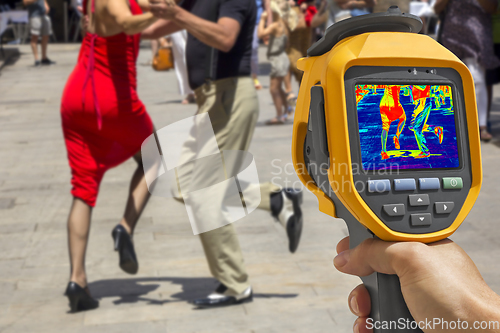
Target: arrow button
(418,220)
(394,209)
(444,207)
(419,200)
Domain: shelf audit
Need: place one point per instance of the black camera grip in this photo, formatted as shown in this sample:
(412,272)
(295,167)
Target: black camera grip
(389,312)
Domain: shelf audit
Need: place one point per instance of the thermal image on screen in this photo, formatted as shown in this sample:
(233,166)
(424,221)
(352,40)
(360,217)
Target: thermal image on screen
(406,126)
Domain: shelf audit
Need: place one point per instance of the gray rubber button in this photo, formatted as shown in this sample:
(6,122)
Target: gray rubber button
(421,219)
(444,207)
(429,183)
(419,200)
(406,184)
(394,209)
(379,185)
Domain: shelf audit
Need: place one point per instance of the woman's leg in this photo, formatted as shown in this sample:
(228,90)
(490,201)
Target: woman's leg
(288,82)
(154,48)
(276,94)
(138,197)
(78,234)
(284,97)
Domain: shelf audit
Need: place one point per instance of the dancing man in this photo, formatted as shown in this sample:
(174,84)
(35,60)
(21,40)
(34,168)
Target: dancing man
(390,110)
(420,115)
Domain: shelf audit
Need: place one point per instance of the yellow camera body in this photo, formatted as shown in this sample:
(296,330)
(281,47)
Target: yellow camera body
(390,59)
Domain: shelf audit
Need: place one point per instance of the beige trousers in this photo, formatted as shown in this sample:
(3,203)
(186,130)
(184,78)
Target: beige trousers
(233,109)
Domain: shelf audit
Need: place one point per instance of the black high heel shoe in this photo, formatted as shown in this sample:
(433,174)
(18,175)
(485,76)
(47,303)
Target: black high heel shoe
(125,248)
(79,298)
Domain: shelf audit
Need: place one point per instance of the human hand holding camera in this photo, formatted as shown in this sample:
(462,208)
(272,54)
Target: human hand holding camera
(438,280)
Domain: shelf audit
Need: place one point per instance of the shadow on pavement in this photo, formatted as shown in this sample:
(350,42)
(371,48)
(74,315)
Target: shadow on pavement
(8,57)
(135,290)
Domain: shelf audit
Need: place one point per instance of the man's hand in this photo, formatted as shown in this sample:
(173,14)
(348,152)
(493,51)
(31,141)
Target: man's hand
(164,9)
(438,280)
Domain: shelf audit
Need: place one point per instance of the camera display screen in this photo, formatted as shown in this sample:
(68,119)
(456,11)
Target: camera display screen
(406,126)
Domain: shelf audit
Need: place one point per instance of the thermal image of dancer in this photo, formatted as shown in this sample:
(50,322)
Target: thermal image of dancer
(423,105)
(391,110)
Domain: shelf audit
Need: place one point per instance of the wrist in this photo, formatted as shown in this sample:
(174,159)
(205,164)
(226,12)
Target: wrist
(485,311)
(178,14)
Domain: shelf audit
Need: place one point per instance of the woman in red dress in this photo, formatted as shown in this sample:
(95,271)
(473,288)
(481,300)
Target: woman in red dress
(104,124)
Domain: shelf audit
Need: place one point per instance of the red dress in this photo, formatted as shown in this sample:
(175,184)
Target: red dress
(104,122)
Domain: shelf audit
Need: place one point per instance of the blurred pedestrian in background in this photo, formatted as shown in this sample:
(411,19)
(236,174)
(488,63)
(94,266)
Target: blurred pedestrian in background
(40,27)
(179,40)
(358,7)
(383,5)
(493,75)
(280,65)
(218,52)
(255,46)
(466,31)
(155,46)
(300,35)
(104,124)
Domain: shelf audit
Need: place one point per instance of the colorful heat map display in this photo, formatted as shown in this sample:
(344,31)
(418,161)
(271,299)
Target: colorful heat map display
(406,127)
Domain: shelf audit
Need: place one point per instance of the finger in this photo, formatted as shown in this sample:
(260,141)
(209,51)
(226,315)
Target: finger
(376,255)
(343,245)
(360,326)
(359,301)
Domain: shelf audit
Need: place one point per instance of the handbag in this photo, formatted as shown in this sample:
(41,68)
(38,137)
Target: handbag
(164,59)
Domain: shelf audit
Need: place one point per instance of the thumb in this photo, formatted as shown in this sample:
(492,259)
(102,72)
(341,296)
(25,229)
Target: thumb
(374,255)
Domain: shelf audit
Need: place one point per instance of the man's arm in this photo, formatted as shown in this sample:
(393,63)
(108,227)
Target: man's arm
(159,29)
(28,2)
(221,35)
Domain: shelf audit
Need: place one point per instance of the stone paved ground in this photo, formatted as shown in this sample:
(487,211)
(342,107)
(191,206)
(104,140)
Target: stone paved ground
(293,293)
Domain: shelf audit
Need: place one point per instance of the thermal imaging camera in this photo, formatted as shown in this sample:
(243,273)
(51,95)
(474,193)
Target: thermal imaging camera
(386,136)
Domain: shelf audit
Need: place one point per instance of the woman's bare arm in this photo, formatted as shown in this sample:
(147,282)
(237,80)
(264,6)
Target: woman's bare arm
(122,19)
(262,30)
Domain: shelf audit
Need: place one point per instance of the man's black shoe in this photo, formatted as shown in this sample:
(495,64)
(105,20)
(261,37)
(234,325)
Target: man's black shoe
(37,63)
(220,298)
